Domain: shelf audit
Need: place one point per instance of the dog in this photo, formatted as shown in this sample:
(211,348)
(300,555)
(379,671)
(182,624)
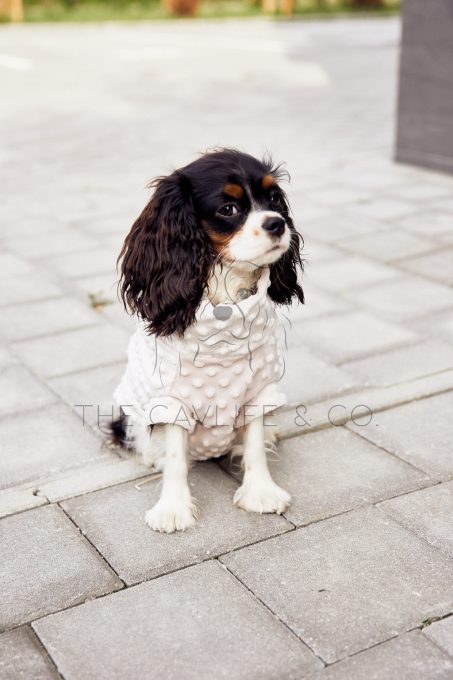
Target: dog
(204,267)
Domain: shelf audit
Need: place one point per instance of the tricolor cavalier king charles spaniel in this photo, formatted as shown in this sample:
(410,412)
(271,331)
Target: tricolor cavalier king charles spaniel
(203,268)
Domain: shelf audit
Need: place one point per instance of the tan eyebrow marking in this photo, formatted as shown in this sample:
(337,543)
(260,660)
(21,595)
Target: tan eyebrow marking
(268,181)
(233,190)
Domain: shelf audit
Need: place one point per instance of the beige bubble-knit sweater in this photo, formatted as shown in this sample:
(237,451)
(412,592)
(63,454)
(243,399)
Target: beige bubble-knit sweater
(223,373)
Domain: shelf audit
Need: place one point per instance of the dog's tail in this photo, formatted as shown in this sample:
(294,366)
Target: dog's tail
(117,431)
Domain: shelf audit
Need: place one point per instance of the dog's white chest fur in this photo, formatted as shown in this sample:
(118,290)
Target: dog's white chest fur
(222,374)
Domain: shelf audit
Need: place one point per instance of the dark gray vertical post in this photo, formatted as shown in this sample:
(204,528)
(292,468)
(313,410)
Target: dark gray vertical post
(425,109)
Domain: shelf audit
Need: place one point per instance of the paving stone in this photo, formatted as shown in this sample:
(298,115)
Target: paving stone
(113,520)
(419,433)
(18,499)
(407,657)
(74,350)
(385,208)
(348,582)
(43,318)
(315,251)
(422,191)
(317,303)
(428,223)
(90,393)
(349,272)
(330,471)
(339,195)
(42,442)
(56,242)
(20,391)
(17,289)
(22,657)
(10,265)
(387,246)
(447,203)
(438,326)
(307,378)
(404,299)
(86,263)
(116,314)
(356,406)
(437,266)
(428,513)
(47,565)
(334,227)
(91,477)
(400,365)
(103,285)
(170,628)
(442,634)
(352,336)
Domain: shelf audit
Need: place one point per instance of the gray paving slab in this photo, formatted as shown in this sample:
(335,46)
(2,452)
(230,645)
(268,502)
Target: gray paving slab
(86,263)
(441,632)
(349,272)
(198,623)
(436,222)
(11,265)
(55,242)
(113,520)
(43,442)
(330,471)
(407,657)
(437,266)
(401,365)
(388,245)
(352,336)
(307,378)
(47,565)
(385,208)
(90,393)
(428,513)
(334,227)
(317,303)
(403,299)
(17,289)
(347,583)
(439,326)
(74,350)
(419,433)
(44,318)
(422,191)
(21,391)
(22,657)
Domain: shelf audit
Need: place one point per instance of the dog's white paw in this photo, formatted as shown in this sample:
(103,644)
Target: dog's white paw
(169,516)
(262,497)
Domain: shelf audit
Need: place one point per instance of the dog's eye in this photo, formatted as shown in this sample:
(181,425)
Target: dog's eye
(228,210)
(276,199)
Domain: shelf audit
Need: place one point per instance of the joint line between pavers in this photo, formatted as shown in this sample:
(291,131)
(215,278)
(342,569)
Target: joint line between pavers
(104,559)
(394,455)
(266,606)
(343,420)
(409,529)
(48,655)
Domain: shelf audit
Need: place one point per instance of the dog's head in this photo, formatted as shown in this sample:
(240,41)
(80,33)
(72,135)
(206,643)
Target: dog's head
(225,207)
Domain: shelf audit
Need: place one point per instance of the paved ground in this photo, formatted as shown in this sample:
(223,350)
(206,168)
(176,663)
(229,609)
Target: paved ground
(343,585)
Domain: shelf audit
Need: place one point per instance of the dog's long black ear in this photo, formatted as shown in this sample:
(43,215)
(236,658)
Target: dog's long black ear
(165,260)
(283,273)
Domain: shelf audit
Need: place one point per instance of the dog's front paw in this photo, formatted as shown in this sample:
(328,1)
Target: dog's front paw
(169,516)
(259,496)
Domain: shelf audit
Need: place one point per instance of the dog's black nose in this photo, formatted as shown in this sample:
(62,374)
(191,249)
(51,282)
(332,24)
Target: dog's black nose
(275,225)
